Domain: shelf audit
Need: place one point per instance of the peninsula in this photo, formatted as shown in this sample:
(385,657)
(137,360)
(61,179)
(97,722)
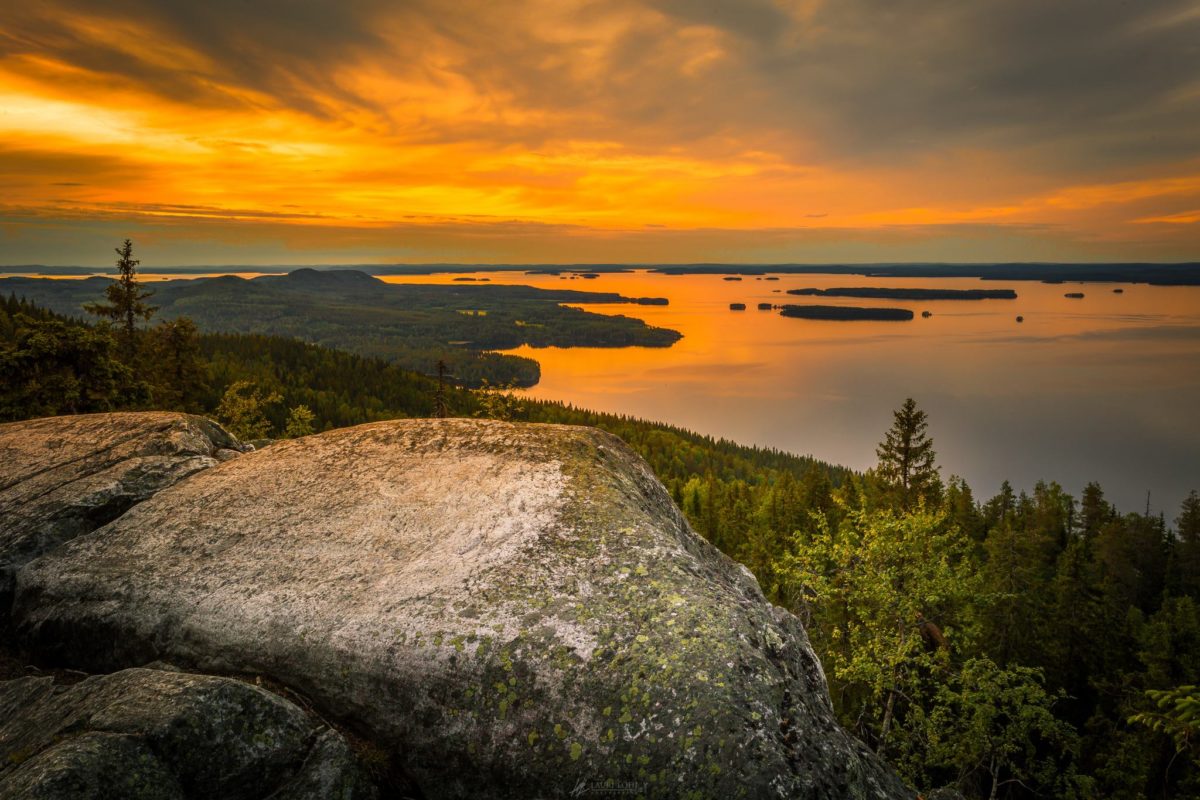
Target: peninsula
(411,325)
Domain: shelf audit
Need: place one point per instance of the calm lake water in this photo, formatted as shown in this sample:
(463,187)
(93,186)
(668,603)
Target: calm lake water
(1104,388)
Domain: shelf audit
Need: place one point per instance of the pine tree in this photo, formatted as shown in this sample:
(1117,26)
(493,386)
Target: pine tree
(126,301)
(440,408)
(1188,538)
(180,381)
(1094,511)
(906,459)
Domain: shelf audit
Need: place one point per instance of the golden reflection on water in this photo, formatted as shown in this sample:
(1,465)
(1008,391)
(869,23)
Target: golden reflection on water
(1102,388)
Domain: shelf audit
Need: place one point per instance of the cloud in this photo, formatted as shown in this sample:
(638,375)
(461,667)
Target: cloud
(1076,117)
(1082,80)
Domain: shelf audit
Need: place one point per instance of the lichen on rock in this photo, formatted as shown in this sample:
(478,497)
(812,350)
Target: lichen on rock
(512,610)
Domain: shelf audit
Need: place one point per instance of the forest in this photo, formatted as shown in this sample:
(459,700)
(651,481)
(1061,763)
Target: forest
(412,325)
(1027,644)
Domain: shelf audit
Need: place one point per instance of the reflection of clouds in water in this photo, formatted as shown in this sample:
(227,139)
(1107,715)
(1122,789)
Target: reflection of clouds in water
(1099,390)
(1154,333)
(1115,317)
(699,372)
(837,341)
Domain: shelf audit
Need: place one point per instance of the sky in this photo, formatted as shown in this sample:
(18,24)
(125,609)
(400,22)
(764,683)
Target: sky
(568,131)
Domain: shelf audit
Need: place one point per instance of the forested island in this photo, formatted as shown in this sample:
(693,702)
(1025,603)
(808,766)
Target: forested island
(909,294)
(1030,644)
(411,325)
(848,313)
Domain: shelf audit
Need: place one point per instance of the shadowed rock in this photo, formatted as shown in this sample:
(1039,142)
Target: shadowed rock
(512,610)
(144,734)
(64,476)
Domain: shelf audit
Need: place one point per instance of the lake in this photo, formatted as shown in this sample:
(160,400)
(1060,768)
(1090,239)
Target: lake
(1103,388)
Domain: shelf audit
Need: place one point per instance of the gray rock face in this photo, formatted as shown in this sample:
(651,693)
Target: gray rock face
(144,734)
(64,476)
(512,610)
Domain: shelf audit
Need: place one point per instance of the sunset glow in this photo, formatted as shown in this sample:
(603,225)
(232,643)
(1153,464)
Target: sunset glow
(629,131)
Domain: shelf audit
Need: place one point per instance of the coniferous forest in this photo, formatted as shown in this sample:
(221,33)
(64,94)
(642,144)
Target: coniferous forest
(1029,644)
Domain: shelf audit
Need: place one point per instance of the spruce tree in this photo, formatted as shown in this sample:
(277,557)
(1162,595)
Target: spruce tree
(440,408)
(180,375)
(907,465)
(1188,544)
(126,301)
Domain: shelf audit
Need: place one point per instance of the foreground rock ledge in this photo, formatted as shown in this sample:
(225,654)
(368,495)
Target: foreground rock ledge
(512,610)
(64,476)
(148,734)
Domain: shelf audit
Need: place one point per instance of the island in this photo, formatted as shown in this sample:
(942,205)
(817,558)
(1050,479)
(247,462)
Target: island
(731,278)
(909,294)
(847,313)
(765,307)
(1074,295)
(737,306)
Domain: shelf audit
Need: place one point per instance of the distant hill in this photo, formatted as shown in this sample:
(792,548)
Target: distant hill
(1180,274)
(411,325)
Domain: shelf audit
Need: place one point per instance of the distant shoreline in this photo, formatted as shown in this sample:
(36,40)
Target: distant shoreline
(1172,274)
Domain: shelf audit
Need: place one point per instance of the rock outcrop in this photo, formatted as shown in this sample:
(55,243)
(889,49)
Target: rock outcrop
(64,476)
(510,610)
(147,734)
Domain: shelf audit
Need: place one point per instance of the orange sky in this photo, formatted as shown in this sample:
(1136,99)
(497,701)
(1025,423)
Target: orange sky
(799,130)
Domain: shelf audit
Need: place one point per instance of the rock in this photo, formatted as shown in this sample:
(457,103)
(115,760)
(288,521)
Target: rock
(509,610)
(64,476)
(945,793)
(144,733)
(225,454)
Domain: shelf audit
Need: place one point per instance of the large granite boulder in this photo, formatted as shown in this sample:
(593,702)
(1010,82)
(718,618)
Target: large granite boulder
(63,476)
(511,610)
(147,734)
